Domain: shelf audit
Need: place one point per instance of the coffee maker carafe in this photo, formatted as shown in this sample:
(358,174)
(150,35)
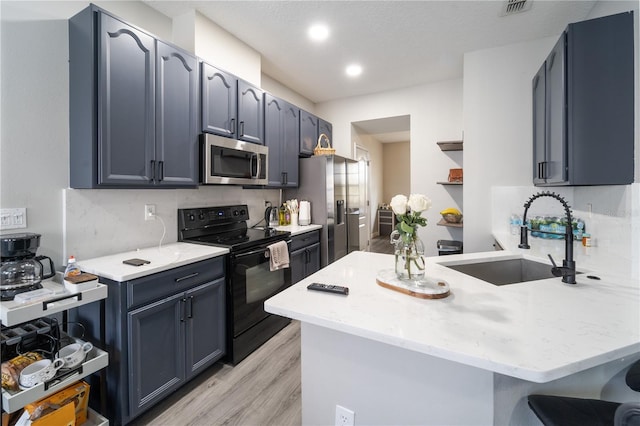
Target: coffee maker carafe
(21,269)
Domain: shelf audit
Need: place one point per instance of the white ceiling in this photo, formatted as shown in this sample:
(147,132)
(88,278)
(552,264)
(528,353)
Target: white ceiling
(398,43)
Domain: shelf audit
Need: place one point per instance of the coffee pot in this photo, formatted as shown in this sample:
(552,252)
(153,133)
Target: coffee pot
(21,269)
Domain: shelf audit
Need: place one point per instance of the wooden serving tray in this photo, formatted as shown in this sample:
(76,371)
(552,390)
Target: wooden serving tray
(427,288)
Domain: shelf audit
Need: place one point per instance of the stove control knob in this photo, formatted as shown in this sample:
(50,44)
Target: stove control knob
(201,216)
(191,217)
(242,212)
(236,213)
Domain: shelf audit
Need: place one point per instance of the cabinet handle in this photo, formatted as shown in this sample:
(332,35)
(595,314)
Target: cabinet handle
(46,303)
(241,128)
(190,307)
(161,171)
(153,171)
(182,303)
(284,178)
(195,274)
(233,126)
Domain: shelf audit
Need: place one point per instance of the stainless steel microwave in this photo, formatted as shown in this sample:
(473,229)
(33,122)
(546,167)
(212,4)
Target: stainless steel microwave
(230,161)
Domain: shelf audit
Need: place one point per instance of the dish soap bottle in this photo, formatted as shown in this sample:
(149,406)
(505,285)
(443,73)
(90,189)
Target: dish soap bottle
(72,268)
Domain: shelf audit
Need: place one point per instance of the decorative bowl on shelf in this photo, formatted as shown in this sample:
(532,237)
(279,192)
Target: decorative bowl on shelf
(452,218)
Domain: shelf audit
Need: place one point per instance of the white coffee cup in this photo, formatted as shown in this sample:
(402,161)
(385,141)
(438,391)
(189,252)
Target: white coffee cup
(39,372)
(74,354)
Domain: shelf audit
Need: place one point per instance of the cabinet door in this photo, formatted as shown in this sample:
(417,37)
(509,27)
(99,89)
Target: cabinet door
(176,103)
(556,151)
(126,104)
(313,259)
(219,101)
(539,126)
(156,352)
(291,142)
(308,133)
(326,128)
(205,326)
(250,113)
(297,263)
(273,129)
(281,136)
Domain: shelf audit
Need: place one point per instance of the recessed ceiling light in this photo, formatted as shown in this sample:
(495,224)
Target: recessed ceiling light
(318,32)
(354,70)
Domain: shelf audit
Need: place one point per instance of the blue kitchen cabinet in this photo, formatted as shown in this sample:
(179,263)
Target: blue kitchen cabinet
(308,133)
(219,101)
(311,127)
(281,136)
(583,111)
(250,113)
(162,330)
(231,107)
(133,105)
(305,255)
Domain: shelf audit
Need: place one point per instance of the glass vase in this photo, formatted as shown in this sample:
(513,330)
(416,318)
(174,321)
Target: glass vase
(409,254)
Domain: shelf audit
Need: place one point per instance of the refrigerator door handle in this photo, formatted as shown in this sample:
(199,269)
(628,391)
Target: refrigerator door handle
(339,212)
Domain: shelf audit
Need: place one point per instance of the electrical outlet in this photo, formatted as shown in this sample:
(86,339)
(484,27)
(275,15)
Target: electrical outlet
(344,416)
(149,212)
(13,218)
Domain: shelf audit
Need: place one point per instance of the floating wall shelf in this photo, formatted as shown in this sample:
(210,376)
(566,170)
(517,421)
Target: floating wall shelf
(450,145)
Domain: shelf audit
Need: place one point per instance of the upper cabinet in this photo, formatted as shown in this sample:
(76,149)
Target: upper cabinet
(231,107)
(250,113)
(583,111)
(281,135)
(133,103)
(219,101)
(311,127)
(308,133)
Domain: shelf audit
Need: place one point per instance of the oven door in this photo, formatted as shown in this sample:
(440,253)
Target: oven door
(251,284)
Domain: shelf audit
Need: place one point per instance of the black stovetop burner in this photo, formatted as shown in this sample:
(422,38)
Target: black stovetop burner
(224,226)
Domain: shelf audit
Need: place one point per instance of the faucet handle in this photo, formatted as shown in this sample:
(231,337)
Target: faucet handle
(556,271)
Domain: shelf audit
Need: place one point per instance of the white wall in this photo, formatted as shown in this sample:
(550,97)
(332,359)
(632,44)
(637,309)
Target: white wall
(34,147)
(497,129)
(436,114)
(219,48)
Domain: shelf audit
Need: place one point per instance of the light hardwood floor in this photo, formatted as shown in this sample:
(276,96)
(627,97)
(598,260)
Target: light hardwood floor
(264,389)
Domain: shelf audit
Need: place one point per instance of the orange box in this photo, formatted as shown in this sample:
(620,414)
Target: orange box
(78,393)
(63,416)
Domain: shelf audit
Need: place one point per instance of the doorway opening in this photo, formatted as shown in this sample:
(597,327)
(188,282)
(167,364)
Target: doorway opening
(387,143)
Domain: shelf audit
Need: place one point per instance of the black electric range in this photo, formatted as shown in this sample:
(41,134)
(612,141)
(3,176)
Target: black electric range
(249,278)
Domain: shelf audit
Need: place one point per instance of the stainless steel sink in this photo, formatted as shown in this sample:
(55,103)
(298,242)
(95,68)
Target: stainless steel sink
(505,271)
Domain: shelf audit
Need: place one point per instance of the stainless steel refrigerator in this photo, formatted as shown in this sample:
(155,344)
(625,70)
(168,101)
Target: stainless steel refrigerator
(330,183)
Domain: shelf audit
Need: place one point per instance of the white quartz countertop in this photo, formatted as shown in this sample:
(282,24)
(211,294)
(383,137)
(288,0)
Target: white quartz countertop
(161,259)
(298,229)
(537,331)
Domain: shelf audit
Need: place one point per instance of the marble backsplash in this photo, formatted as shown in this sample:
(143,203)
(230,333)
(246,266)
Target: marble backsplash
(105,221)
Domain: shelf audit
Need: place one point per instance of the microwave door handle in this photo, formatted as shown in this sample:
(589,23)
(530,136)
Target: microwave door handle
(254,157)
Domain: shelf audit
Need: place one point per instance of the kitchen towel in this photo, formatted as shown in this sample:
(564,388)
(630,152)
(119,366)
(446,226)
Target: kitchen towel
(278,256)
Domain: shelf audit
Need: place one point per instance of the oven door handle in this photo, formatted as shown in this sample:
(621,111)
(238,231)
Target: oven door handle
(262,249)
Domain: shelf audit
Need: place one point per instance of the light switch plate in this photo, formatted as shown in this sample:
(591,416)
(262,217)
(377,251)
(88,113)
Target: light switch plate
(13,218)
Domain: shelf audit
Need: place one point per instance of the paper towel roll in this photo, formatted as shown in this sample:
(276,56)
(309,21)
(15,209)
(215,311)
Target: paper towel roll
(304,217)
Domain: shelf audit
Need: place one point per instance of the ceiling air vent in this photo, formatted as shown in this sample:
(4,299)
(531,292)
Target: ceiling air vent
(509,7)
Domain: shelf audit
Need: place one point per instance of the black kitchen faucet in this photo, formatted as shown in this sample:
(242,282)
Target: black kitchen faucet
(568,269)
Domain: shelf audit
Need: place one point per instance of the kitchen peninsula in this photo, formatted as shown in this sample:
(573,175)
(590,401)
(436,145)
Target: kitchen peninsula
(470,358)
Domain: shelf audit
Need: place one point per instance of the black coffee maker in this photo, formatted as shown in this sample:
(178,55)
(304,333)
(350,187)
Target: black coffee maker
(21,270)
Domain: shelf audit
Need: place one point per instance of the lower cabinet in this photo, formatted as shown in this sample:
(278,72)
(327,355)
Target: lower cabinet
(181,327)
(161,330)
(305,255)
